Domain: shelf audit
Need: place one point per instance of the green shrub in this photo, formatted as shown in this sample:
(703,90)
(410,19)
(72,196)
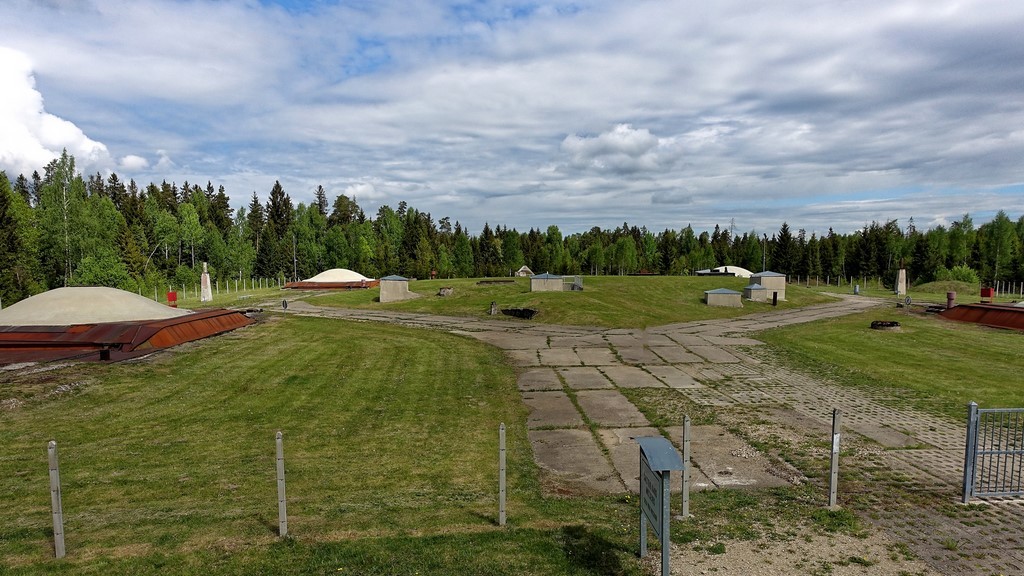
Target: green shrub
(959,273)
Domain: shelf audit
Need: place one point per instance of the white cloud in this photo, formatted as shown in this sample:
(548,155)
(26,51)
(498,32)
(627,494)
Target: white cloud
(623,149)
(133,163)
(30,137)
(363,191)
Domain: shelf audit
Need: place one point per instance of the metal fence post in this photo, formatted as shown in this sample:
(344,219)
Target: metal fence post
(282,502)
(833,484)
(55,501)
(501,475)
(970,451)
(685,472)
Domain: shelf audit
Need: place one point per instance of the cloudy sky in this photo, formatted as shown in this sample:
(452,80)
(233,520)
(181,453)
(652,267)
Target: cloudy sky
(578,114)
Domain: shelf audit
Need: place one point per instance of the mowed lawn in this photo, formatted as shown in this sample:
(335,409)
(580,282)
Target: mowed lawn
(391,444)
(606,301)
(932,363)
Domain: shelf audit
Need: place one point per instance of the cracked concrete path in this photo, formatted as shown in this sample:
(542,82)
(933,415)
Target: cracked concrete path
(572,379)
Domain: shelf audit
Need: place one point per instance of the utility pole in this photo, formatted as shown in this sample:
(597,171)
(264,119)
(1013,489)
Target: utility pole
(295,260)
(764,254)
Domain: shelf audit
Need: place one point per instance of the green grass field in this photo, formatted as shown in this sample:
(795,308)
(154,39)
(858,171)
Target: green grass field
(167,464)
(390,445)
(606,301)
(934,364)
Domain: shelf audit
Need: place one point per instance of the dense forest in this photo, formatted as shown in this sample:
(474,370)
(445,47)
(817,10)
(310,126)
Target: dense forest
(63,229)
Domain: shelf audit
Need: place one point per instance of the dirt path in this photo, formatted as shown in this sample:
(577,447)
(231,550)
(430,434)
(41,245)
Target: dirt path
(582,427)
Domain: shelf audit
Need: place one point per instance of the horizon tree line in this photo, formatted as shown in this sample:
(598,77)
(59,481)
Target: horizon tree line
(63,229)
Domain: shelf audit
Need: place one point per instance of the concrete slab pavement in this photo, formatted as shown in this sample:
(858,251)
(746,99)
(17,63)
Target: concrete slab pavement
(609,408)
(573,462)
(631,377)
(584,378)
(551,410)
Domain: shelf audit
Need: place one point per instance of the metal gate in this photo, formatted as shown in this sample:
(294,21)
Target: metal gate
(994,455)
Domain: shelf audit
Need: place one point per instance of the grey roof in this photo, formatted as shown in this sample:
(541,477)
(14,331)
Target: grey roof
(660,453)
(395,277)
(754,286)
(546,276)
(767,274)
(721,291)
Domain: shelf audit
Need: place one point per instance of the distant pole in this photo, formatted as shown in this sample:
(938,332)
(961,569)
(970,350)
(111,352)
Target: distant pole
(282,503)
(55,501)
(764,254)
(833,484)
(501,475)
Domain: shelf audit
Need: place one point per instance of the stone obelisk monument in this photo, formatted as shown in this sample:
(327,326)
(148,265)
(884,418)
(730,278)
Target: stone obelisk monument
(205,293)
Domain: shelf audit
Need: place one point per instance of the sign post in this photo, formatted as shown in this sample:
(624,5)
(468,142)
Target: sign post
(657,459)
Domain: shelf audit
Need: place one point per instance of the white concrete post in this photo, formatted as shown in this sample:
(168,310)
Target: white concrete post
(282,503)
(501,475)
(55,501)
(685,473)
(833,484)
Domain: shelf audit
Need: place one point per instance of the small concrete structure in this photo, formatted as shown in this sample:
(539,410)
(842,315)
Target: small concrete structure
(723,297)
(773,282)
(524,272)
(395,289)
(901,282)
(755,292)
(546,283)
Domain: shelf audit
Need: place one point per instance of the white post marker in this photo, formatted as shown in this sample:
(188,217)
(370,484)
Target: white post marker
(686,467)
(833,484)
(282,503)
(55,501)
(501,475)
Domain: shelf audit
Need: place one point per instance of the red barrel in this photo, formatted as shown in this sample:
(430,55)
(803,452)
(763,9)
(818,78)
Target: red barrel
(172,299)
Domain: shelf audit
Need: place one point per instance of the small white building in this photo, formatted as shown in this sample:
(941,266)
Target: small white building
(755,292)
(773,282)
(524,272)
(395,289)
(546,283)
(723,297)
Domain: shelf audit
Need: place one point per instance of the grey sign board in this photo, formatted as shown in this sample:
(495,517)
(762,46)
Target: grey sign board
(657,459)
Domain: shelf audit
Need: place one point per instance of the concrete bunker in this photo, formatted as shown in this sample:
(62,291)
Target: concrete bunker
(334,279)
(99,323)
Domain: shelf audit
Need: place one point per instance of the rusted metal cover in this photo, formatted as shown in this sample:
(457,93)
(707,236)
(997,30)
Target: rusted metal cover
(118,340)
(997,315)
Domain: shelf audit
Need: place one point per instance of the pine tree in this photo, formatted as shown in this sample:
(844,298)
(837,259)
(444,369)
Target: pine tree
(256,221)
(321,200)
(10,246)
(279,211)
